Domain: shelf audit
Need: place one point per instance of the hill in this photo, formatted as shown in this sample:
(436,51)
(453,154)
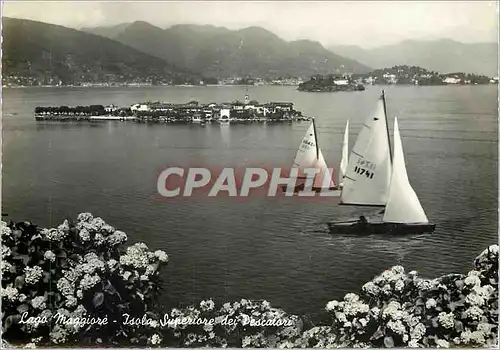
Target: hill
(220,52)
(440,55)
(39,53)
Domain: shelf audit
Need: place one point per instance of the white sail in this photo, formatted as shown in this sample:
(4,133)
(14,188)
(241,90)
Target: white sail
(307,154)
(323,170)
(345,155)
(368,174)
(403,205)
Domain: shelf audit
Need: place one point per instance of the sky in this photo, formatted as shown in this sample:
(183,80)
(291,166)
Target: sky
(364,23)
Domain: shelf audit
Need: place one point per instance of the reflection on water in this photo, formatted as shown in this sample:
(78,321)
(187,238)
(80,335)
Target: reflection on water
(279,248)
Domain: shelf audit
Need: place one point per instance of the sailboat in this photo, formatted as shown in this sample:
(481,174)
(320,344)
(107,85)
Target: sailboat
(368,174)
(345,156)
(403,211)
(309,156)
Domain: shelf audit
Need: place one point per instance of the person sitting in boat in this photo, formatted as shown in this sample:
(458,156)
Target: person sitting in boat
(362,220)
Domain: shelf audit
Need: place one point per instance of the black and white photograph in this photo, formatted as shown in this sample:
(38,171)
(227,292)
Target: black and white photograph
(249,174)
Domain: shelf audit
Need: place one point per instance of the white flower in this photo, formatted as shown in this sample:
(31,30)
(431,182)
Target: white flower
(208,327)
(472,279)
(392,310)
(5,231)
(397,327)
(430,303)
(413,343)
(485,328)
(38,303)
(49,255)
(155,339)
(474,299)
(112,263)
(99,239)
(5,251)
(136,256)
(65,286)
(375,311)
(418,332)
(10,293)
(107,228)
(64,226)
(32,274)
(331,305)
(79,294)
(53,234)
(47,314)
(441,343)
(30,346)
(161,255)
(351,297)
(118,237)
(341,317)
(97,223)
(5,266)
(58,335)
(84,217)
(446,320)
(207,305)
(84,235)
(126,275)
(89,281)
(399,285)
(144,278)
(474,313)
(70,301)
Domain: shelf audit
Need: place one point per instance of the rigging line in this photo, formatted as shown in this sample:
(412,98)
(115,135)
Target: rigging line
(387,125)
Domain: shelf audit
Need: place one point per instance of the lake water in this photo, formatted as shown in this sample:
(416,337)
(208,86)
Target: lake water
(262,248)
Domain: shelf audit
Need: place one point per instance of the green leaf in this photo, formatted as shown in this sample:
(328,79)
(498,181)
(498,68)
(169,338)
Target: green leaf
(23,308)
(98,299)
(19,282)
(388,342)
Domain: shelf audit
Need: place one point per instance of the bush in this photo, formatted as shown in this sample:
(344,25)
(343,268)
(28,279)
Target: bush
(77,271)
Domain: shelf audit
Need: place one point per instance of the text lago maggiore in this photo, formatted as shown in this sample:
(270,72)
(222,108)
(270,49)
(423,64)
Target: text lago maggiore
(166,321)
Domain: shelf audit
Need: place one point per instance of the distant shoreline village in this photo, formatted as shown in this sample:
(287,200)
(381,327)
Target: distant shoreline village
(397,75)
(191,112)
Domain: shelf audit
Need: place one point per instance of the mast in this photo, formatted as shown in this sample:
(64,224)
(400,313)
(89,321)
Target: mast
(316,140)
(387,125)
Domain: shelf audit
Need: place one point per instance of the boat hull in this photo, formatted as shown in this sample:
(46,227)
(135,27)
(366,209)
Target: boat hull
(379,228)
(300,188)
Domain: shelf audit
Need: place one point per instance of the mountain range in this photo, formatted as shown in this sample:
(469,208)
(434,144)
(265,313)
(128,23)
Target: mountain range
(36,52)
(444,56)
(220,52)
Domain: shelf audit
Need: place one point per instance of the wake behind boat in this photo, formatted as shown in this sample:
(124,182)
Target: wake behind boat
(403,212)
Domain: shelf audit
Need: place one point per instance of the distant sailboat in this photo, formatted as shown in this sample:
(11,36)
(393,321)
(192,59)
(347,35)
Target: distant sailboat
(309,156)
(403,211)
(345,156)
(367,178)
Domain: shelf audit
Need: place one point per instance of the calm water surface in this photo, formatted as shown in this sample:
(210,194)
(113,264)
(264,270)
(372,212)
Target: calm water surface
(271,248)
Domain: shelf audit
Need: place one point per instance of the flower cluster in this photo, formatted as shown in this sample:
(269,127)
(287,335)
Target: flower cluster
(73,271)
(453,310)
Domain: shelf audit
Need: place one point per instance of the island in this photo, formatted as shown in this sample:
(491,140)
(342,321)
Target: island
(165,112)
(330,83)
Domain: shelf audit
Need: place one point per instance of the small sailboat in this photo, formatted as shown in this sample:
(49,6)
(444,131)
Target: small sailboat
(403,211)
(368,174)
(345,156)
(309,156)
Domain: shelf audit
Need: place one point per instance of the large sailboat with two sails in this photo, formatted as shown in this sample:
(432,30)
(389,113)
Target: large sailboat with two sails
(376,176)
